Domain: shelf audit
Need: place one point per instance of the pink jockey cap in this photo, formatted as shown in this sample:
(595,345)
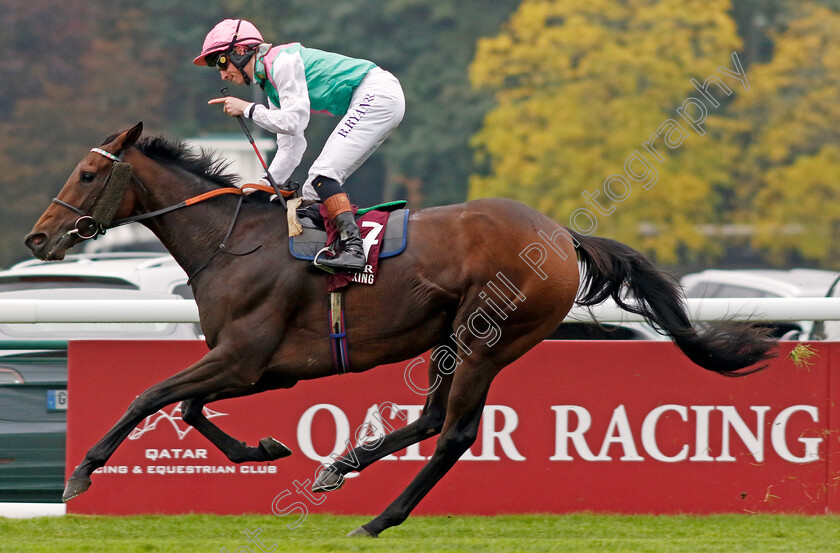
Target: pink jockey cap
(228,33)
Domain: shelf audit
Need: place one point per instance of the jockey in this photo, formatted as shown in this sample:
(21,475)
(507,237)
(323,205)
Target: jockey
(297,81)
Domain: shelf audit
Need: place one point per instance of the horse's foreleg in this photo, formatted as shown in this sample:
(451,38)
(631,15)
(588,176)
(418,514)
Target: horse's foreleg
(466,402)
(268,449)
(429,424)
(201,379)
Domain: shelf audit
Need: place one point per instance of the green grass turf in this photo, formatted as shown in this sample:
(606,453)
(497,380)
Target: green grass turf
(325,533)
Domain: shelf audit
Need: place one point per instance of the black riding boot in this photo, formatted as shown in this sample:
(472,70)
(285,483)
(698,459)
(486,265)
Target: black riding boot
(351,253)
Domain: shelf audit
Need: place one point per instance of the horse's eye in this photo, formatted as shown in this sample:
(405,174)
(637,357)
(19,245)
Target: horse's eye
(88,177)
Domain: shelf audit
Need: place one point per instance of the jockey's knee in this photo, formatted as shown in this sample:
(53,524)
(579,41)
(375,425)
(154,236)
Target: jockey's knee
(326,187)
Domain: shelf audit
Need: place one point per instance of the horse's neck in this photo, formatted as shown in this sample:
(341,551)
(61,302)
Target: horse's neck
(194,233)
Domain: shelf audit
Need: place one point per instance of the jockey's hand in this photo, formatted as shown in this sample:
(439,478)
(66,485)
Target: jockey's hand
(248,188)
(232,106)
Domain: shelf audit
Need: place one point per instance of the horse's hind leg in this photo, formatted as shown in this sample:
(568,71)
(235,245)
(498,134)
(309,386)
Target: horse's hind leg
(460,428)
(482,355)
(427,425)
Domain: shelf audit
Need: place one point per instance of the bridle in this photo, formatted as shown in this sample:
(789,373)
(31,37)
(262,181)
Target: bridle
(87,227)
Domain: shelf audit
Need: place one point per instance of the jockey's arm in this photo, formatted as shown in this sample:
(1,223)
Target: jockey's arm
(289,120)
(291,117)
(290,151)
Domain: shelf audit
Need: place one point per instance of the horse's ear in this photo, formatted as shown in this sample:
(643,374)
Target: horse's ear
(127,139)
(133,134)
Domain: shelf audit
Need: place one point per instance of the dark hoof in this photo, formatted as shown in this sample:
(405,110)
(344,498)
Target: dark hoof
(74,487)
(274,449)
(360,532)
(328,480)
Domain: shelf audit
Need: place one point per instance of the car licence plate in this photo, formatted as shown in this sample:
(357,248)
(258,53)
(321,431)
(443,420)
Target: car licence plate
(57,400)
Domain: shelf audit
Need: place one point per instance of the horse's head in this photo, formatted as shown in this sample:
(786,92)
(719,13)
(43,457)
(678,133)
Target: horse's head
(96,192)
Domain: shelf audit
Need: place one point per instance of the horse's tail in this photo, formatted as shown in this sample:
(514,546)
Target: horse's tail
(723,347)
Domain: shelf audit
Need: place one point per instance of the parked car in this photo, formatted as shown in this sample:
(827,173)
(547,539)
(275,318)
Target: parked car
(33,373)
(146,271)
(764,283)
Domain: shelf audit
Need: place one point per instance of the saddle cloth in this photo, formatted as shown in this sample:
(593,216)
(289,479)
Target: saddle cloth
(307,244)
(384,234)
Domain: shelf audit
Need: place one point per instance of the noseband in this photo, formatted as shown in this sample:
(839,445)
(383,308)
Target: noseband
(91,225)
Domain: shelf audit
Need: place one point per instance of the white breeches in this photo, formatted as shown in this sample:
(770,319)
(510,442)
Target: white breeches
(376,108)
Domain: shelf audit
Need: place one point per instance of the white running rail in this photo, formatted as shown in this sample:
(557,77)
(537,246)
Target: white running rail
(185,311)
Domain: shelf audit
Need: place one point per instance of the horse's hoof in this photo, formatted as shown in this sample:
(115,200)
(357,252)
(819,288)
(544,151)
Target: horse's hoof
(360,532)
(328,480)
(274,449)
(75,487)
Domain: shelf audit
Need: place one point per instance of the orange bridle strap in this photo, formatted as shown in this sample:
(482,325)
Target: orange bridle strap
(212,194)
(237,191)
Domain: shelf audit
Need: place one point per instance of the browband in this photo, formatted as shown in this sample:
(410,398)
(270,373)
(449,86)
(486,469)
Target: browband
(109,155)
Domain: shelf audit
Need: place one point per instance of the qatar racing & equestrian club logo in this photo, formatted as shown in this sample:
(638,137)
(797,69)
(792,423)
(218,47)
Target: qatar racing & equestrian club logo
(174,418)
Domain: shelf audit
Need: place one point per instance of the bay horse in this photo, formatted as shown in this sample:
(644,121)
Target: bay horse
(263,313)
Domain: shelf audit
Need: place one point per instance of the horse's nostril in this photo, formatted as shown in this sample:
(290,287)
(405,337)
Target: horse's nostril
(35,240)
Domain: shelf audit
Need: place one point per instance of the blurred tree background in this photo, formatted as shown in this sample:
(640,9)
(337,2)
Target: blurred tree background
(78,70)
(536,100)
(581,86)
(565,122)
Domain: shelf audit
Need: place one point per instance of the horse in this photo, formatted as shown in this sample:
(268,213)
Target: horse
(263,313)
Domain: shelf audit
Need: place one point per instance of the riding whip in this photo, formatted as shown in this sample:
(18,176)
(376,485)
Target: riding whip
(257,151)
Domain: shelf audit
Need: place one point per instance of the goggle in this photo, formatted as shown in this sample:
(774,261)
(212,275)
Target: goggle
(217,59)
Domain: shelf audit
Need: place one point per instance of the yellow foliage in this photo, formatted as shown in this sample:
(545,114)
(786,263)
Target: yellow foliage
(800,206)
(791,185)
(580,87)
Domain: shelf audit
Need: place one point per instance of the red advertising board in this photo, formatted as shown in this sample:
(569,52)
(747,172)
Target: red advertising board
(629,427)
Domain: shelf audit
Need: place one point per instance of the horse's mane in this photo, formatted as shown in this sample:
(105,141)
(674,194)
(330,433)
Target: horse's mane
(204,164)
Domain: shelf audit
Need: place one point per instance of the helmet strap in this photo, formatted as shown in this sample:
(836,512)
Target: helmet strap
(241,60)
